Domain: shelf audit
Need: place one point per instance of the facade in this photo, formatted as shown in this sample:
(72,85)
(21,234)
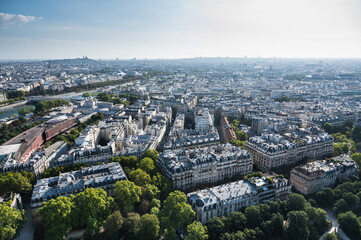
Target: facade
(274,150)
(56,126)
(14,198)
(39,162)
(66,184)
(203,121)
(227,130)
(189,168)
(190,138)
(224,199)
(315,176)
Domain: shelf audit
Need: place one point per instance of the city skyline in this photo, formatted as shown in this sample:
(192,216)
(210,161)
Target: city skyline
(180,29)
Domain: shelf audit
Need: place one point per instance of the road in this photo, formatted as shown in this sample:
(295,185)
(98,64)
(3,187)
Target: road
(27,232)
(10,106)
(335,226)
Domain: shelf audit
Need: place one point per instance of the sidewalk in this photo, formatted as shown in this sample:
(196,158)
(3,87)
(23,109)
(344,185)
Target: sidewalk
(27,232)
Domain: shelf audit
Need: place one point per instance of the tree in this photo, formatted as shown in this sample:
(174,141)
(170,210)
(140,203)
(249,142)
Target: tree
(16,94)
(164,184)
(139,177)
(57,214)
(233,236)
(345,148)
(113,223)
(92,207)
(177,210)
(129,162)
(328,196)
(330,236)
(341,206)
(297,225)
(11,219)
(296,202)
(236,221)
(150,191)
(25,110)
(242,135)
(130,221)
(14,182)
(147,164)
(253,216)
(328,127)
(215,228)
(337,148)
(349,224)
(147,227)
(357,158)
(86,94)
(351,199)
(356,134)
(196,231)
(128,195)
(155,203)
(150,153)
(277,226)
(318,219)
(144,206)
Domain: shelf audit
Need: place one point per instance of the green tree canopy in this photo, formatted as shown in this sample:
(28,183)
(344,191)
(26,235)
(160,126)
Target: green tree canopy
(11,219)
(15,182)
(92,207)
(349,224)
(150,191)
(147,165)
(330,236)
(139,177)
(147,227)
(215,228)
(357,158)
(236,221)
(57,214)
(177,210)
(128,195)
(298,225)
(150,153)
(196,231)
(113,223)
(253,216)
(296,202)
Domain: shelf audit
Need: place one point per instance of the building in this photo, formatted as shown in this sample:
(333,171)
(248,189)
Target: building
(224,199)
(203,121)
(189,168)
(275,150)
(15,154)
(57,125)
(259,124)
(315,176)
(14,199)
(3,97)
(275,94)
(29,142)
(66,184)
(190,138)
(227,130)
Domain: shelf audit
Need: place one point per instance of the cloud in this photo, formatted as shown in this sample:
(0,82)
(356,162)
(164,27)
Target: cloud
(59,28)
(51,40)
(14,39)
(41,40)
(7,19)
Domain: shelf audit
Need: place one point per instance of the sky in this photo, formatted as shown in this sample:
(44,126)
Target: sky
(124,29)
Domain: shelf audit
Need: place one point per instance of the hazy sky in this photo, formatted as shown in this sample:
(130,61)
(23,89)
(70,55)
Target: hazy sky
(48,29)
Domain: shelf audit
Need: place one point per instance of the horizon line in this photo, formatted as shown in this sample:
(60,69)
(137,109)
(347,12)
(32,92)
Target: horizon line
(180,58)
